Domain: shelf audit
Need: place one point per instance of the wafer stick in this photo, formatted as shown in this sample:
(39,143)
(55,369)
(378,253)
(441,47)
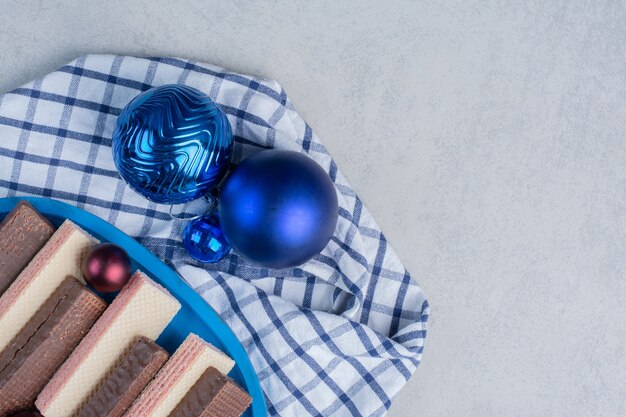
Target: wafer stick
(22,234)
(143,308)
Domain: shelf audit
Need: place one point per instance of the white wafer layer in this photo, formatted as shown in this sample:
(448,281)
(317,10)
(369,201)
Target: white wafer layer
(60,257)
(143,308)
(178,376)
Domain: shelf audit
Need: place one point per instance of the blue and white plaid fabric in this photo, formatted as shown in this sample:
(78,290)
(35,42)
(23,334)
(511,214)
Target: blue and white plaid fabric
(338,336)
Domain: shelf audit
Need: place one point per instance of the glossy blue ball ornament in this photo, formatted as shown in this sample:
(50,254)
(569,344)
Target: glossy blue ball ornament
(204,240)
(172,144)
(278,209)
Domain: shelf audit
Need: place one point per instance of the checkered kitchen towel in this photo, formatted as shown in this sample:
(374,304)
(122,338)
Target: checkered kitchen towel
(338,336)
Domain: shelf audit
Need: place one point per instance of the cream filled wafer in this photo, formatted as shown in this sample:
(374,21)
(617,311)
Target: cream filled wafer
(50,345)
(143,308)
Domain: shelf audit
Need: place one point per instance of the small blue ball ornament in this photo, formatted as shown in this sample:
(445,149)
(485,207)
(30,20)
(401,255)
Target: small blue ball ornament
(278,209)
(204,240)
(172,144)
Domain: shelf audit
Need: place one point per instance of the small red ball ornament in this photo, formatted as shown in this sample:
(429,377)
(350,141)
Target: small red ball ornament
(107,268)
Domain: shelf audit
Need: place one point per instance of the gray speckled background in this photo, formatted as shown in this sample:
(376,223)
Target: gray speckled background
(489,140)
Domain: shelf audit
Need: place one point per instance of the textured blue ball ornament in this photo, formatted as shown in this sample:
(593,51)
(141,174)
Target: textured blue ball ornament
(278,209)
(172,144)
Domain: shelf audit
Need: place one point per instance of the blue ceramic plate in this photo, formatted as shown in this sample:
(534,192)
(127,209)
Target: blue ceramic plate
(195,315)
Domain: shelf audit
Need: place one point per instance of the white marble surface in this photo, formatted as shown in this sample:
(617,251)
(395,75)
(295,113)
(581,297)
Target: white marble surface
(487,139)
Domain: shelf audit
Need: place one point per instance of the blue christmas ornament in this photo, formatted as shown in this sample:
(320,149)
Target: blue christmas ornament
(278,209)
(204,240)
(172,144)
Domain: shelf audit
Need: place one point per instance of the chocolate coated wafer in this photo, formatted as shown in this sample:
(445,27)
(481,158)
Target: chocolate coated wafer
(35,363)
(126,380)
(214,395)
(22,233)
(68,285)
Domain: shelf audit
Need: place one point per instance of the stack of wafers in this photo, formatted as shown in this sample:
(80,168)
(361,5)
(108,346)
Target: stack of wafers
(65,353)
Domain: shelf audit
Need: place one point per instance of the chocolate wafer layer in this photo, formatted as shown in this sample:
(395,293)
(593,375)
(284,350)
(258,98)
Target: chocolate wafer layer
(214,395)
(177,377)
(23,232)
(70,284)
(126,380)
(35,364)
